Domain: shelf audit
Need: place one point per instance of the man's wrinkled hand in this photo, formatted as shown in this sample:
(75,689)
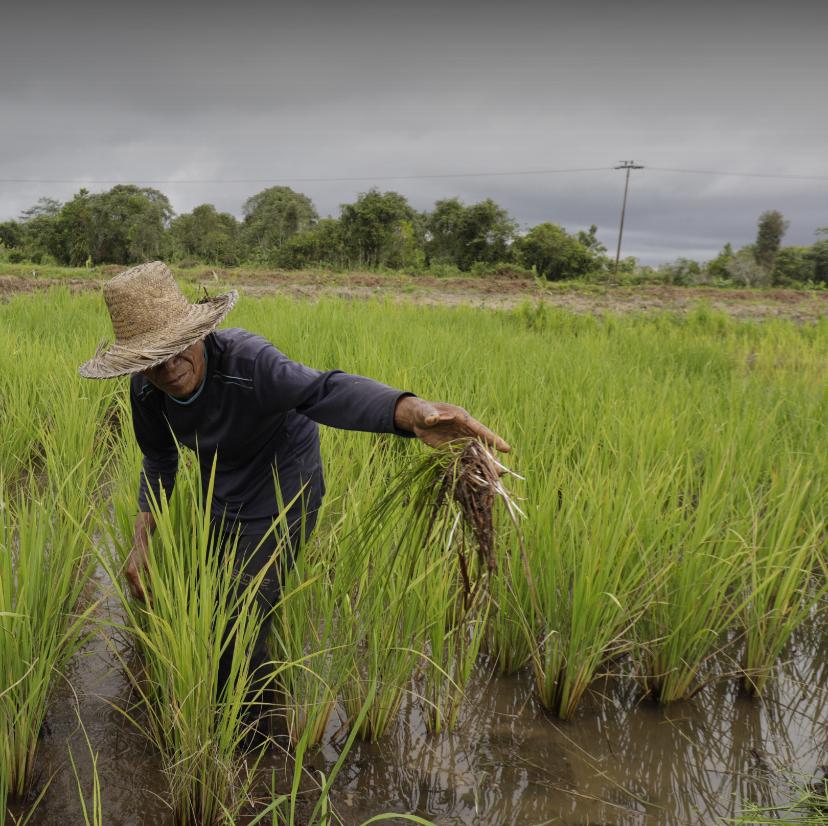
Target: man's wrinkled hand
(135,568)
(438,423)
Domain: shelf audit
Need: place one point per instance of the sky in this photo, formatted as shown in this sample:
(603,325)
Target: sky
(212,103)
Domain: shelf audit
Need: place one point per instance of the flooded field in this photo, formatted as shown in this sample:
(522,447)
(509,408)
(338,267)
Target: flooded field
(621,761)
(649,646)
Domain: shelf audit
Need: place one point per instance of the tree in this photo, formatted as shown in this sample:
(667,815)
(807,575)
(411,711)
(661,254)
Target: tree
(272,216)
(554,254)
(381,229)
(44,208)
(793,265)
(39,227)
(124,225)
(462,235)
(818,257)
(11,234)
(770,231)
(321,245)
(75,230)
(589,238)
(207,235)
(744,269)
(718,267)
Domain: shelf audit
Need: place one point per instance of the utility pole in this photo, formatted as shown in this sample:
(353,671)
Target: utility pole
(628,165)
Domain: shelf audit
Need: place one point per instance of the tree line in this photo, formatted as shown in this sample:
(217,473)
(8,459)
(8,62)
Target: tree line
(379,230)
(281,228)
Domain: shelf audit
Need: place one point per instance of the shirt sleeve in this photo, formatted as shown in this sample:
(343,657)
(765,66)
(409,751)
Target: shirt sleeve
(331,398)
(160,452)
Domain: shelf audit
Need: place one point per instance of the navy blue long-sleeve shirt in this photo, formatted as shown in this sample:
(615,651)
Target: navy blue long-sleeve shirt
(257,411)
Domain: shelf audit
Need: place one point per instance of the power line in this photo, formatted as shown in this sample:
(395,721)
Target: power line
(740,174)
(426,176)
(301,180)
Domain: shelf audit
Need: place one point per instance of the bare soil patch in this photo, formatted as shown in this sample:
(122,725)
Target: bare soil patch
(13,284)
(502,292)
(507,293)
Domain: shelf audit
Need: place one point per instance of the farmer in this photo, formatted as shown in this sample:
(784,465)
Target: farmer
(232,395)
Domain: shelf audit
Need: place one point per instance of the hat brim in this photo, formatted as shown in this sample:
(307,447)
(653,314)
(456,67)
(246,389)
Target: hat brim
(142,352)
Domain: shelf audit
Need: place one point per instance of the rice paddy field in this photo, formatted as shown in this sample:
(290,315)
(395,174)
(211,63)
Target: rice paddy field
(650,647)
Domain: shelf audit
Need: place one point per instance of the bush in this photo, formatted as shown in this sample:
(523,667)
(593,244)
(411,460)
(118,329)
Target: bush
(554,254)
(793,265)
(501,269)
(744,270)
(682,272)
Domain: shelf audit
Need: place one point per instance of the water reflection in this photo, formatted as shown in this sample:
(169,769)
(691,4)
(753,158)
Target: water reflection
(617,762)
(622,760)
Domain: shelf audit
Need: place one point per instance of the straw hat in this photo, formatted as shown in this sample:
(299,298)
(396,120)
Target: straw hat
(152,321)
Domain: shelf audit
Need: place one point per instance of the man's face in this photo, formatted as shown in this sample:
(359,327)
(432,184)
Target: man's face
(180,375)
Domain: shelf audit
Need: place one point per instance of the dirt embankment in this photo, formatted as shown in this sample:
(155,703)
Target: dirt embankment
(493,293)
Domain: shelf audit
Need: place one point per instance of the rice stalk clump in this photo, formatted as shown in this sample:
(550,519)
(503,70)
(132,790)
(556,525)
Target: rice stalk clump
(414,572)
(471,478)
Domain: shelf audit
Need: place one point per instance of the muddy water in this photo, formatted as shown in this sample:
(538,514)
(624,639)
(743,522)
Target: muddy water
(620,761)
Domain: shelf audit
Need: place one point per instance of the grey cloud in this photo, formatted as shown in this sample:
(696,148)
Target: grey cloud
(254,90)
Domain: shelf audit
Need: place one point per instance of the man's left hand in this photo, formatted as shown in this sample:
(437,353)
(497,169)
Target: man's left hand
(437,423)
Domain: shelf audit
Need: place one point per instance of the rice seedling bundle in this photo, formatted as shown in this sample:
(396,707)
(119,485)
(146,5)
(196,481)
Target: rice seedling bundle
(430,542)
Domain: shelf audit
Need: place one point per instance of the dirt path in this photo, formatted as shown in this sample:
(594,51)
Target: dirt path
(492,293)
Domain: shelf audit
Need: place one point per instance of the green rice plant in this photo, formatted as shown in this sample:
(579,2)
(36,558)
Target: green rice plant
(92,814)
(713,556)
(306,649)
(454,637)
(384,653)
(280,810)
(196,613)
(431,543)
(782,582)
(807,805)
(376,631)
(19,408)
(505,640)
(697,598)
(75,434)
(592,584)
(43,570)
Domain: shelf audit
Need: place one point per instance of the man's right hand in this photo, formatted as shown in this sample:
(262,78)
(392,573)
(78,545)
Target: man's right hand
(138,558)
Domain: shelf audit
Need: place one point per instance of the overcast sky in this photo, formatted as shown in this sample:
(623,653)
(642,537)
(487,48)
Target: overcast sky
(276,92)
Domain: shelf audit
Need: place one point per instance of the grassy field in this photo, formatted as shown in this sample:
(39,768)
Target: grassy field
(675,471)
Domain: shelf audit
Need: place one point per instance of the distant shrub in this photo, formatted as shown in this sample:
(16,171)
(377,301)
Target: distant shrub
(743,270)
(500,269)
(442,270)
(682,272)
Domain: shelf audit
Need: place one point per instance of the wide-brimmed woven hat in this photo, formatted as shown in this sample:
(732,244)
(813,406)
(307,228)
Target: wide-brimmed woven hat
(152,321)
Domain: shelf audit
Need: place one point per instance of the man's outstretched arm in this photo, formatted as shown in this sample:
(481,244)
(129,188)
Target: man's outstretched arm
(352,402)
